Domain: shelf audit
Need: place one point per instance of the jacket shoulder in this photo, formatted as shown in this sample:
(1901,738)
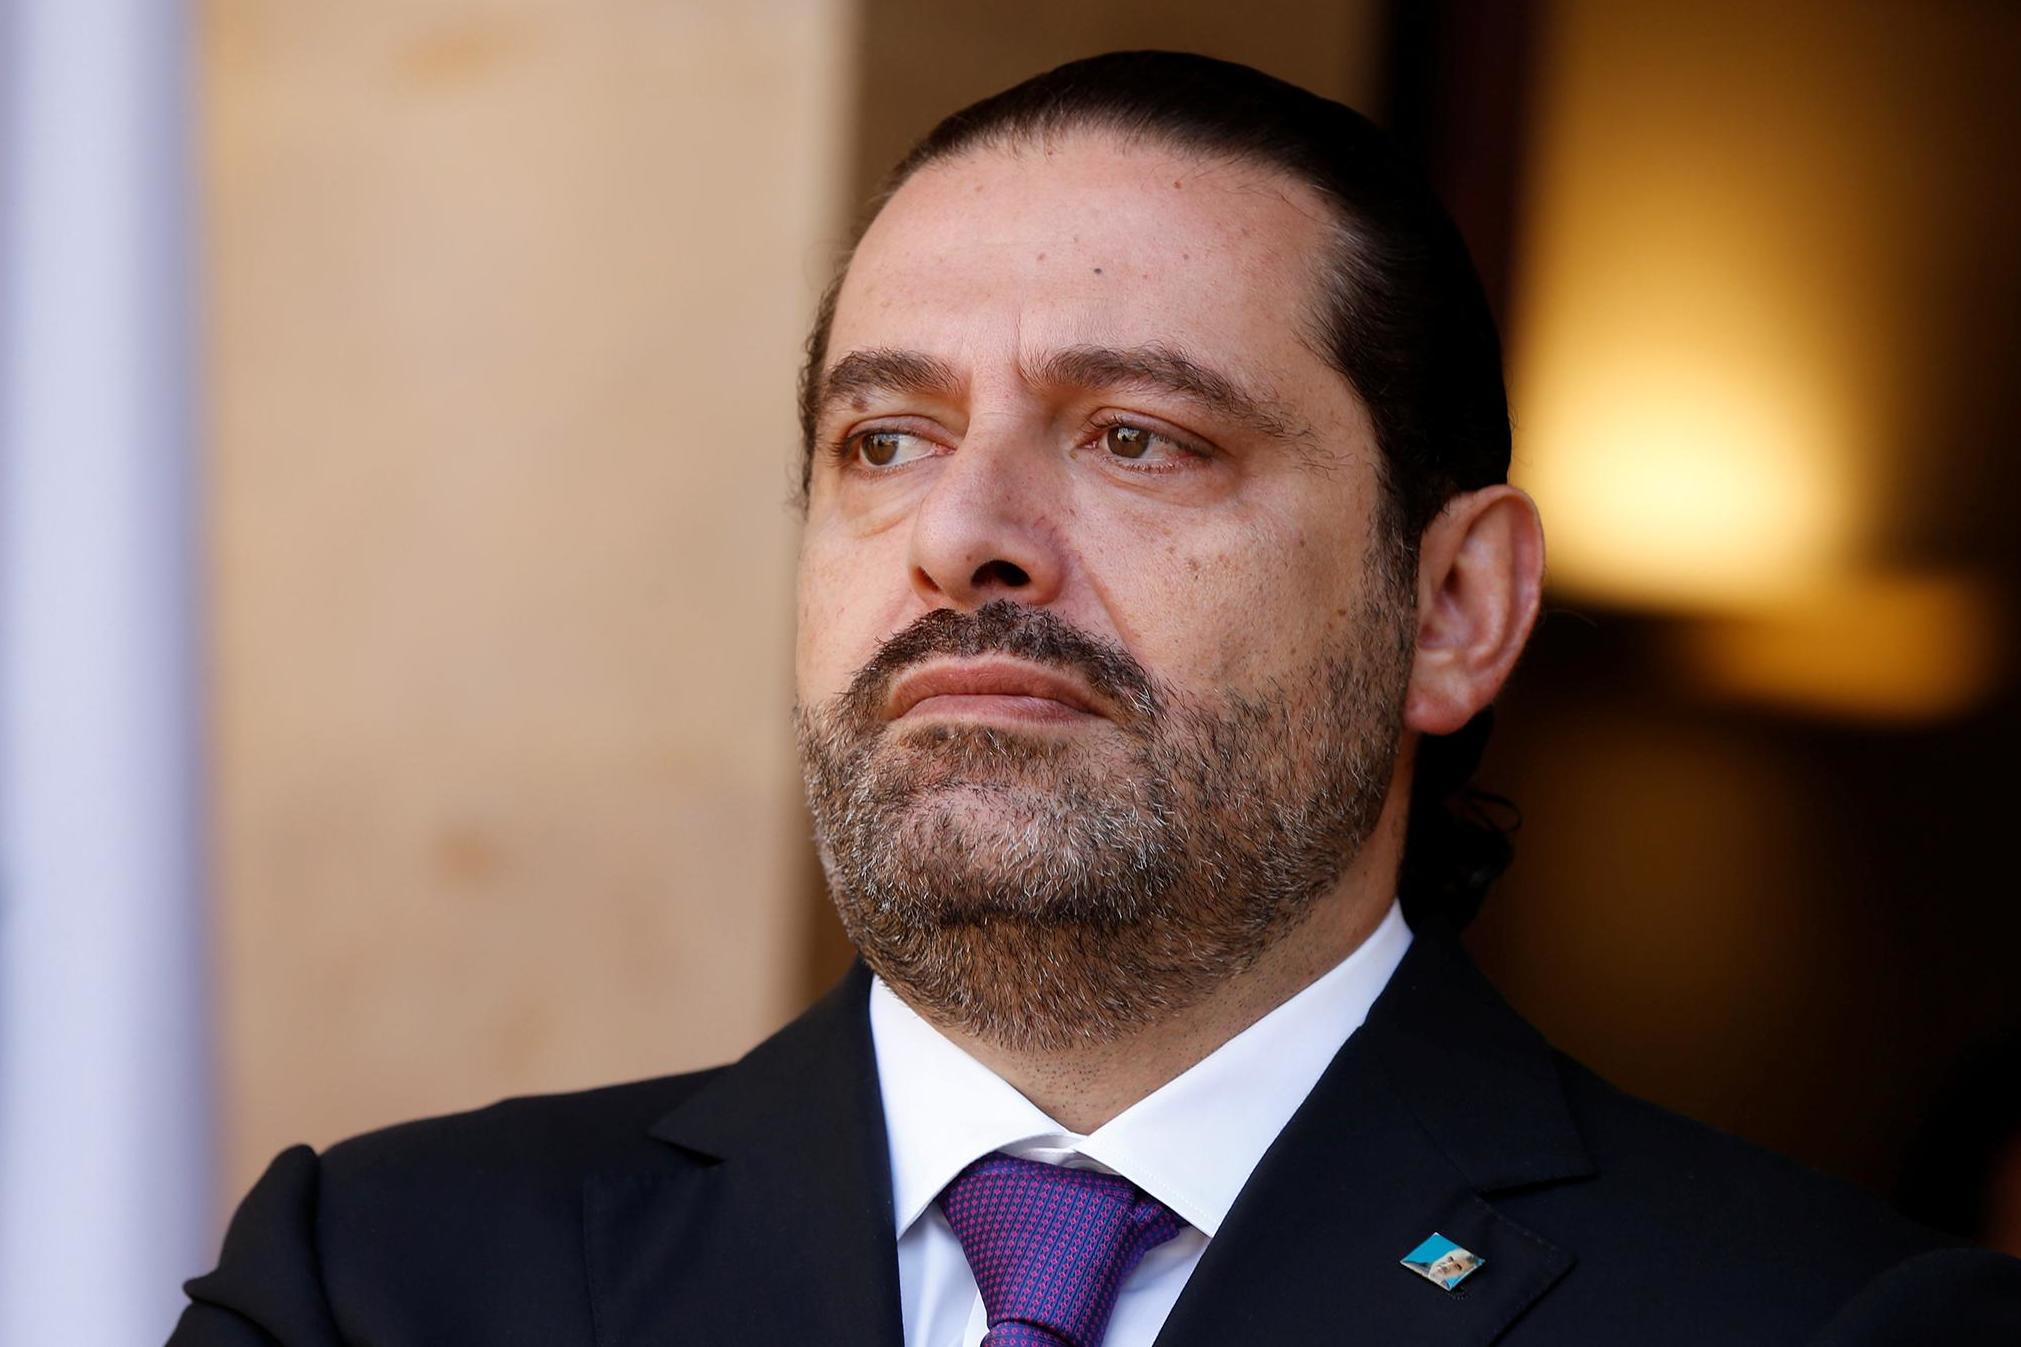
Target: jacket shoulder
(1702,1178)
(556,1137)
(469,1227)
(1684,1224)
(405,1229)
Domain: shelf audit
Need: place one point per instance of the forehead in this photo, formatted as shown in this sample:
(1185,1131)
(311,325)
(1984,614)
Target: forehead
(1084,239)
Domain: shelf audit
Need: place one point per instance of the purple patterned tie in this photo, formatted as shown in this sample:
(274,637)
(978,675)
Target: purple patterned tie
(1050,1247)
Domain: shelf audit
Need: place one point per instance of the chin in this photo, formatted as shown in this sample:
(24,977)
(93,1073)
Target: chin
(992,818)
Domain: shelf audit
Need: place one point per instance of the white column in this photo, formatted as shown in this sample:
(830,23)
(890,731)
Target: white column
(104,1091)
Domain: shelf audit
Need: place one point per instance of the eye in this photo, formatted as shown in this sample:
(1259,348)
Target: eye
(1139,444)
(888,448)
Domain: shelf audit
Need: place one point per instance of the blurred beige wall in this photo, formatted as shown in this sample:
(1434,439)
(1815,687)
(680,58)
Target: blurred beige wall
(503,307)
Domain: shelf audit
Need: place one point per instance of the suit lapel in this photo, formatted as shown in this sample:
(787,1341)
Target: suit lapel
(1441,1099)
(768,1219)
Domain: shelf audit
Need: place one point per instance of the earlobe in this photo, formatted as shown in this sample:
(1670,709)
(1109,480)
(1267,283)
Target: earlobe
(1480,581)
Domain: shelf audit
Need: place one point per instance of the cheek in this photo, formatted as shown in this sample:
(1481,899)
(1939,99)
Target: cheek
(1210,605)
(847,603)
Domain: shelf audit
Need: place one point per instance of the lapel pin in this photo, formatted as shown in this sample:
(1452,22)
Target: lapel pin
(1440,1261)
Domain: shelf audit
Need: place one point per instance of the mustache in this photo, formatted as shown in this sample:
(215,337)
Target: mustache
(1005,627)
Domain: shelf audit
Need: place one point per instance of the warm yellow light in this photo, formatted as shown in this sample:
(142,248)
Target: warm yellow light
(1899,648)
(1672,482)
(1705,376)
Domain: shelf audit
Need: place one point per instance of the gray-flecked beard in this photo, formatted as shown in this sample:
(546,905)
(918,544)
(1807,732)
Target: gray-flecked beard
(1042,890)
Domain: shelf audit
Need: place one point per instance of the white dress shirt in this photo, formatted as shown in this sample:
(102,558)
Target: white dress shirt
(1191,1143)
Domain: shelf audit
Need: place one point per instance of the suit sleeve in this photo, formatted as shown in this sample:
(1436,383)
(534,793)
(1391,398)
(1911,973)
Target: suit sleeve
(267,1290)
(1959,1297)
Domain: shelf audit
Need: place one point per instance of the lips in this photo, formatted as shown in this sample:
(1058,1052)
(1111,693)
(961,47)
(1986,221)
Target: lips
(978,684)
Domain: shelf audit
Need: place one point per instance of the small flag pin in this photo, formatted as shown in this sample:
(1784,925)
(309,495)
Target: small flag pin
(1443,1262)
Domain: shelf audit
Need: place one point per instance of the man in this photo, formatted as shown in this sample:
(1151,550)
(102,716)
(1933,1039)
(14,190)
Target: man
(1159,570)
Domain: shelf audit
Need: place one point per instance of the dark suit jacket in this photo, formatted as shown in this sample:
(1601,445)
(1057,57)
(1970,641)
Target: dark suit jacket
(751,1205)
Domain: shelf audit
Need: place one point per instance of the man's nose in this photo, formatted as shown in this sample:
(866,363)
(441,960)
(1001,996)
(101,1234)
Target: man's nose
(990,526)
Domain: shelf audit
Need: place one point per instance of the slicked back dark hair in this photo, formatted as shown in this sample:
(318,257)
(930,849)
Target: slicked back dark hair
(1400,314)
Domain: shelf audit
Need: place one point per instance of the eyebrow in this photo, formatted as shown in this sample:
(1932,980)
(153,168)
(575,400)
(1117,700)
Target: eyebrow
(883,370)
(1158,368)
(1154,368)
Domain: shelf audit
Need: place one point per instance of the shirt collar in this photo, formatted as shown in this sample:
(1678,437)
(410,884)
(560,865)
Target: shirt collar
(1192,1143)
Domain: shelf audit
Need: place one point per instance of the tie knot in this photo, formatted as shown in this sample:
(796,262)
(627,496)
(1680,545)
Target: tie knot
(1050,1247)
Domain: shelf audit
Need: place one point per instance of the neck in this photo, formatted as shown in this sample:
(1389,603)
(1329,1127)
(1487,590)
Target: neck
(1086,1085)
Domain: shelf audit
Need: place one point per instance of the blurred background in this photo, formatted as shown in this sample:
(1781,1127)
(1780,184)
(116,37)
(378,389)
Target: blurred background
(396,556)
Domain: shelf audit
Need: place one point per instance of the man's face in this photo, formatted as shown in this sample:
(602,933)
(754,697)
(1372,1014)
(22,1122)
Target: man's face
(1099,663)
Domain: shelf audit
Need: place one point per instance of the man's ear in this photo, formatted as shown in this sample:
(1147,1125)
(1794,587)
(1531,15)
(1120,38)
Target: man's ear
(1480,579)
